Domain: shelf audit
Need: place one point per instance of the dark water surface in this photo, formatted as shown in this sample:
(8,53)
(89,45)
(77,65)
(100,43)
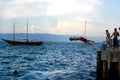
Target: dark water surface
(51,61)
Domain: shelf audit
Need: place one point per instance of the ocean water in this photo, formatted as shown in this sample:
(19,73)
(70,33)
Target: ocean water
(51,61)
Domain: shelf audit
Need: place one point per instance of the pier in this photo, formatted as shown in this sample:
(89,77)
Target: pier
(108,64)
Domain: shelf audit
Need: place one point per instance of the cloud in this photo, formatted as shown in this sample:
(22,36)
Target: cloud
(63,7)
(76,27)
(23,8)
(70,14)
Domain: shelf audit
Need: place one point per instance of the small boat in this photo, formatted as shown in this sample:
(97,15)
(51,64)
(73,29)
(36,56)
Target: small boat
(25,42)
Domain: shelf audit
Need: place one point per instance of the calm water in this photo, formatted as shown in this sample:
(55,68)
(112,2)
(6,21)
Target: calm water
(51,61)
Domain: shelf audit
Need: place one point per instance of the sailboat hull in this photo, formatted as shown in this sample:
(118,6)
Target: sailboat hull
(17,43)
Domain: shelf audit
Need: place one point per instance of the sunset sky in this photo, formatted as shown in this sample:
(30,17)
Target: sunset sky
(63,17)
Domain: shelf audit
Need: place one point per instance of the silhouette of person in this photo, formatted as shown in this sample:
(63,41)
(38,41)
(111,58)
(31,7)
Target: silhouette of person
(15,72)
(107,38)
(115,38)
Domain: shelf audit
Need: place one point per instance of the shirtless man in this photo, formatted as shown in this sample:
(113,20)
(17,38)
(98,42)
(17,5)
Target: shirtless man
(107,38)
(82,39)
(115,38)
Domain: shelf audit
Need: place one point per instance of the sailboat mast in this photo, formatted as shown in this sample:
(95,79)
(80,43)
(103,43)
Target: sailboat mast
(27,29)
(14,30)
(85,27)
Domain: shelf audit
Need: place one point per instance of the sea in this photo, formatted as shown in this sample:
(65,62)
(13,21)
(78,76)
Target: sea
(50,61)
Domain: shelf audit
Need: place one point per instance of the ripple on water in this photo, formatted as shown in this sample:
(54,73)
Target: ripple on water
(51,61)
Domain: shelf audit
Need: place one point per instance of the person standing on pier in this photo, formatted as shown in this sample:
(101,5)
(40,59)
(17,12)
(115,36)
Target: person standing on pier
(119,38)
(107,38)
(115,38)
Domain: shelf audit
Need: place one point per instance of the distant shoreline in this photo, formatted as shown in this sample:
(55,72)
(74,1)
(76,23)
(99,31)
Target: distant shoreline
(48,37)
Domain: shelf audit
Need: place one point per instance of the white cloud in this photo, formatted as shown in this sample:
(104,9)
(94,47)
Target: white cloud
(23,8)
(71,14)
(62,7)
(76,27)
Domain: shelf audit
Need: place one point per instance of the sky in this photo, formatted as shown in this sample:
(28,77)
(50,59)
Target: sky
(61,17)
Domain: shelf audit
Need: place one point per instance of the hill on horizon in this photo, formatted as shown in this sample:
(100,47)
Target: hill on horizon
(47,37)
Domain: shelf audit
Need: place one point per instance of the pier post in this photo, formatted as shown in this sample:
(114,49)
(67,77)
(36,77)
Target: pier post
(104,70)
(109,64)
(119,70)
(99,66)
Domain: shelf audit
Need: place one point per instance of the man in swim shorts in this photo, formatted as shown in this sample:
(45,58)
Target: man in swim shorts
(115,38)
(82,39)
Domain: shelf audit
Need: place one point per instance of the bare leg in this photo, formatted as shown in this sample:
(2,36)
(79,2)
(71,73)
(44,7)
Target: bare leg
(91,42)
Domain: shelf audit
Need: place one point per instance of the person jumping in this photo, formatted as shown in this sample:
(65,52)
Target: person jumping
(82,39)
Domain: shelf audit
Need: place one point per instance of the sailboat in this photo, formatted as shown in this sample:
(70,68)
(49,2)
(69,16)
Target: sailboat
(79,38)
(26,42)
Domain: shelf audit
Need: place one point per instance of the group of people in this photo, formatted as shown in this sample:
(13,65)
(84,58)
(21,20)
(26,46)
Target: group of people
(115,36)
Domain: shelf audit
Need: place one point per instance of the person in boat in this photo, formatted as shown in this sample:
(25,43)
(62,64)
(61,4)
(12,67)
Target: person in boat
(107,38)
(115,38)
(82,39)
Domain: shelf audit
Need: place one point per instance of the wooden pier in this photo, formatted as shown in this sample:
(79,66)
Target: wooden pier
(108,65)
